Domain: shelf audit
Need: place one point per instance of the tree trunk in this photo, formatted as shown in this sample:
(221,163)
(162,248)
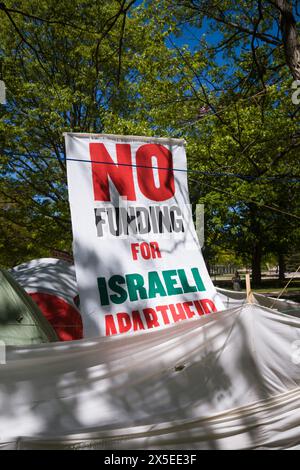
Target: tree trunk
(281,265)
(256,265)
(290,38)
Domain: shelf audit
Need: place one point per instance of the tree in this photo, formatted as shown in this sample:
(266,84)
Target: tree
(266,27)
(255,209)
(248,127)
(67,67)
(120,68)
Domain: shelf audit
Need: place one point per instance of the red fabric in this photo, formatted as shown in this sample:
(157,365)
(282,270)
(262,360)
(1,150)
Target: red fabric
(64,318)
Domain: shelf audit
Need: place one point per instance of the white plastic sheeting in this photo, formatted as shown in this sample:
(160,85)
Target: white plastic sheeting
(229,380)
(232,299)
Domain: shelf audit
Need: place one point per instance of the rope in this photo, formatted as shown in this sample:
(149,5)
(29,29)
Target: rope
(276,178)
(185,170)
(287,284)
(244,177)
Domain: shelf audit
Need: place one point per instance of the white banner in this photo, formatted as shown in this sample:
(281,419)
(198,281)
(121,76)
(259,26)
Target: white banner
(137,257)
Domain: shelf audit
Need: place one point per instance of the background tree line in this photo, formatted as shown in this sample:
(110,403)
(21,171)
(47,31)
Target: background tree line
(217,73)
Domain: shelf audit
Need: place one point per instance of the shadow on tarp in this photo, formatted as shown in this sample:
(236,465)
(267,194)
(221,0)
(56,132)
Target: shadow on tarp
(183,373)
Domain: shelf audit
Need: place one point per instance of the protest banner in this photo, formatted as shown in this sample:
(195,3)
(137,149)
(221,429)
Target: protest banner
(137,257)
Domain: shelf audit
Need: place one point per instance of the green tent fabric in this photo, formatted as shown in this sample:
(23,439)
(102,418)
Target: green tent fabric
(21,321)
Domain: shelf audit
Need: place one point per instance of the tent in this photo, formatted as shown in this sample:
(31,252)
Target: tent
(51,283)
(228,380)
(21,321)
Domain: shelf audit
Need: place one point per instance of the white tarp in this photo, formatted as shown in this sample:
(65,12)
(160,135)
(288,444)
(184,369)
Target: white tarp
(234,298)
(226,380)
(137,257)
